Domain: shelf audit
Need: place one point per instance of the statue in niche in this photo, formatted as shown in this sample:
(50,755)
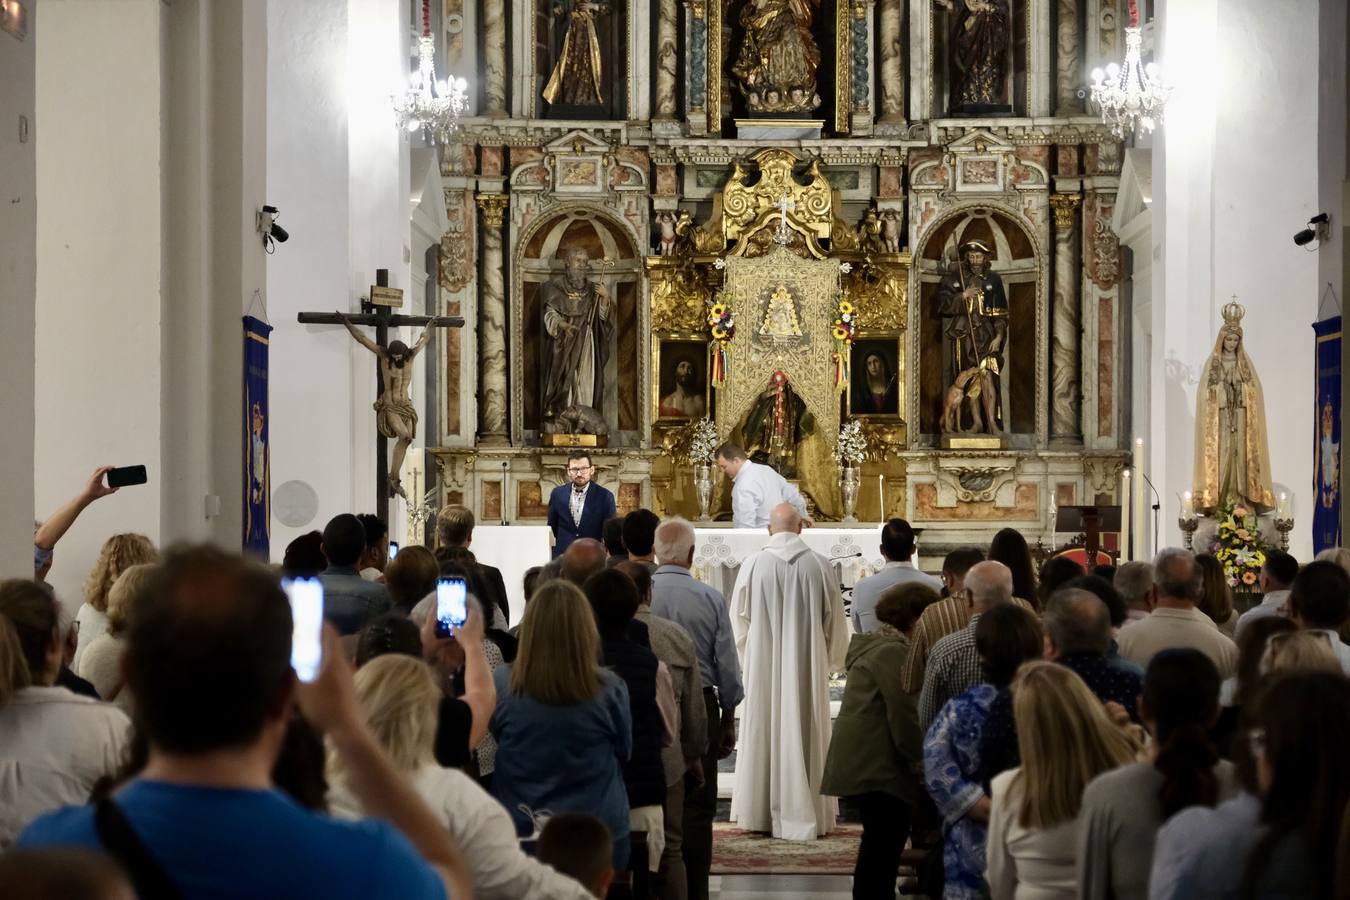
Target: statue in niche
(578,77)
(778,58)
(775,425)
(978,40)
(578,327)
(1232,457)
(974,306)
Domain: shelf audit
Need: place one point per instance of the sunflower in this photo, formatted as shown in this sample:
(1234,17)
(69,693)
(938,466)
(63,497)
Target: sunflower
(719,333)
(840,333)
(718,311)
(845,307)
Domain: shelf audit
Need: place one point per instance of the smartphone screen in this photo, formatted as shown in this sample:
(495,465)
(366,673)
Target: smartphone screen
(393,549)
(452,605)
(125,476)
(306,596)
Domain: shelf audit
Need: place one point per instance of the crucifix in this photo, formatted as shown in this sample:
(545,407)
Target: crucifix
(782,235)
(396,416)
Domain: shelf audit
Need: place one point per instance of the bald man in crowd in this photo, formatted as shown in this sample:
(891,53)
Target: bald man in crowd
(791,633)
(583,558)
(954,664)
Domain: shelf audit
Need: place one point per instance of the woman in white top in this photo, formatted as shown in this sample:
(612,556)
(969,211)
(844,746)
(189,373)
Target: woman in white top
(120,552)
(399,698)
(1066,740)
(101,664)
(54,745)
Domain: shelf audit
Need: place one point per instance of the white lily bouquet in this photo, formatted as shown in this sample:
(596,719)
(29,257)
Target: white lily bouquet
(851,447)
(703,442)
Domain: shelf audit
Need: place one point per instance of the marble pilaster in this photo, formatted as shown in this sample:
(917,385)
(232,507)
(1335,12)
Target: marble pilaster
(892,56)
(1066,320)
(696,88)
(860,64)
(494,57)
(1068,64)
(492,325)
(666,56)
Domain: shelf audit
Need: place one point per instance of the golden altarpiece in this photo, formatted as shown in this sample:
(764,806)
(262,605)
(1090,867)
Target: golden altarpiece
(690,164)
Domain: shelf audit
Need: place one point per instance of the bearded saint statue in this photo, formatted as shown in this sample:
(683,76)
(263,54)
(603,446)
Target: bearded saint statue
(777,63)
(1232,455)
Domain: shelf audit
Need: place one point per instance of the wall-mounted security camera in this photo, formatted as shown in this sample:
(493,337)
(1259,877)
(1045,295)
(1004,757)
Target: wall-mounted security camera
(1318,227)
(271,232)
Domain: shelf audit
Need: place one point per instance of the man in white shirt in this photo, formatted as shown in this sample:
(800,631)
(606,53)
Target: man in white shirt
(1319,601)
(1277,575)
(756,489)
(897,545)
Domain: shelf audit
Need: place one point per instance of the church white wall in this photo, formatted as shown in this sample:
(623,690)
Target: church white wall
(99,277)
(18,280)
(338,170)
(1235,175)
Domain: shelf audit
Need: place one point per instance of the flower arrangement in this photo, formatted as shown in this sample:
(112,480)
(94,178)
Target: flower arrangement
(722,323)
(851,447)
(844,331)
(703,442)
(1238,545)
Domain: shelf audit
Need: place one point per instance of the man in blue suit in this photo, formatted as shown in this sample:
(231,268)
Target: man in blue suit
(581,508)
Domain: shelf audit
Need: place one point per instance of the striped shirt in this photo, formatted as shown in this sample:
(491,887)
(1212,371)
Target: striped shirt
(939,620)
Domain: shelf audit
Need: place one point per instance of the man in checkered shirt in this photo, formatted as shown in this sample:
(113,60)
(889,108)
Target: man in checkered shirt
(954,664)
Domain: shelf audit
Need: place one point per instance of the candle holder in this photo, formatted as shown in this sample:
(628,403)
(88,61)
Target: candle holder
(1284,526)
(1188,527)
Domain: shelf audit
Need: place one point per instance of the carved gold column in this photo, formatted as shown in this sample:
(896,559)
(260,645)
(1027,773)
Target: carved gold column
(492,326)
(1066,319)
(1068,67)
(494,57)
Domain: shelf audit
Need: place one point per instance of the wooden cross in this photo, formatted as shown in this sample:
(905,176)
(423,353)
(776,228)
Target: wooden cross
(383,318)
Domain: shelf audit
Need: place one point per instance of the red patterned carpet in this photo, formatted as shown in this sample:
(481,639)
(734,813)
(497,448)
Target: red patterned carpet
(737,852)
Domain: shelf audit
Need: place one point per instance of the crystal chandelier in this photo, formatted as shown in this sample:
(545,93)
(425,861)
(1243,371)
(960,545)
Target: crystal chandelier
(430,106)
(1131,96)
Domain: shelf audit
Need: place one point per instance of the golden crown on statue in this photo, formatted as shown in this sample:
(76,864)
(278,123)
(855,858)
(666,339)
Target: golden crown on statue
(1233,312)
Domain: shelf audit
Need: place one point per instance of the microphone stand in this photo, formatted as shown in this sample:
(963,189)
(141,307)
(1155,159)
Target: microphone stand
(1157,505)
(505,493)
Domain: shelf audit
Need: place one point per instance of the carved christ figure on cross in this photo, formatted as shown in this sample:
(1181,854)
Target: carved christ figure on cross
(782,235)
(396,417)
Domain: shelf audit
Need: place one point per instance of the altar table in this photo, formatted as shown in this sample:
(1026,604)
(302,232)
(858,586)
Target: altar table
(719,552)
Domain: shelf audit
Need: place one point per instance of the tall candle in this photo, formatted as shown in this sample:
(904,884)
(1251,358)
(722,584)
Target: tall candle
(1140,529)
(1282,508)
(1125,554)
(881,493)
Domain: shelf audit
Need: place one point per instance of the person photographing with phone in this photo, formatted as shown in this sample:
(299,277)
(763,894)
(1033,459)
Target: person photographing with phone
(203,818)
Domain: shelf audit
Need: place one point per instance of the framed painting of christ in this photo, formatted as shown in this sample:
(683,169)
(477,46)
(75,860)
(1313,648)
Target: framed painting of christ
(681,380)
(874,378)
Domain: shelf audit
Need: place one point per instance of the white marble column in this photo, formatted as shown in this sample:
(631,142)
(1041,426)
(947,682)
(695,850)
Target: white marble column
(1066,368)
(492,326)
(494,56)
(666,55)
(1068,64)
(891,54)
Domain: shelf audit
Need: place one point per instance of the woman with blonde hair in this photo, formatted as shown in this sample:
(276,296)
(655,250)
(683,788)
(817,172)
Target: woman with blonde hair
(120,552)
(399,699)
(1066,740)
(54,745)
(562,723)
(1302,651)
(101,664)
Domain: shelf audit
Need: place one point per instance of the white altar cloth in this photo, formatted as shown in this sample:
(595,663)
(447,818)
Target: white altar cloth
(718,553)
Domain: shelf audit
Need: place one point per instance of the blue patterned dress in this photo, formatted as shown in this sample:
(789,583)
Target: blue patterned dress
(951,757)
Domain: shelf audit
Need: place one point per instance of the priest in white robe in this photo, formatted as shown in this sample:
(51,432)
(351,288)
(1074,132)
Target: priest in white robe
(791,632)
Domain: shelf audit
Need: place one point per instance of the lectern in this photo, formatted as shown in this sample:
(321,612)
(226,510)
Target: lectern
(1092,521)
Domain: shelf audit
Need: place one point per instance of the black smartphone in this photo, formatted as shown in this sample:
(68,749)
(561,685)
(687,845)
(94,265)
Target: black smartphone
(306,596)
(452,605)
(393,549)
(126,476)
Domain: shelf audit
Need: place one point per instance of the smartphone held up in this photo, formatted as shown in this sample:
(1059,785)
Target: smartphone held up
(126,476)
(452,605)
(306,596)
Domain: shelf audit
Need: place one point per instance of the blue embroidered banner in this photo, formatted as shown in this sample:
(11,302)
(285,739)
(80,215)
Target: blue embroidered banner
(257,457)
(1326,518)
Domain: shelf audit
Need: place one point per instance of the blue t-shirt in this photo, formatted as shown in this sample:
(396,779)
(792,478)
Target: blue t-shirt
(227,843)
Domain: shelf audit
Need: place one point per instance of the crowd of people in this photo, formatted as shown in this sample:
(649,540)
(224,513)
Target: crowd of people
(1006,729)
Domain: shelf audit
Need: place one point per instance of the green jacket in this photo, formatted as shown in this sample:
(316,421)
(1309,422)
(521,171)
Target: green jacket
(877,744)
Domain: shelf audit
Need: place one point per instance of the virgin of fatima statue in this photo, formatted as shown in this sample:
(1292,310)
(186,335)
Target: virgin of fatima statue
(1232,456)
